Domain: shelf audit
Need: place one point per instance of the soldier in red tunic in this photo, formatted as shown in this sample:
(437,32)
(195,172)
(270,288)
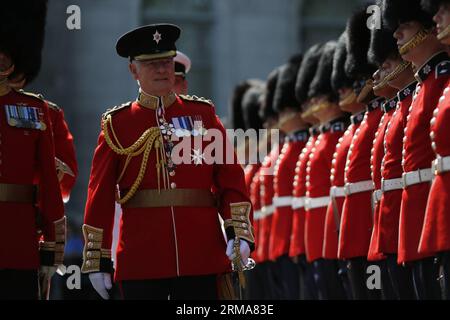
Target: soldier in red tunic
(251,100)
(347,102)
(297,250)
(435,238)
(28,183)
(382,46)
(333,123)
(418,44)
(356,218)
(171,242)
(386,160)
(296,133)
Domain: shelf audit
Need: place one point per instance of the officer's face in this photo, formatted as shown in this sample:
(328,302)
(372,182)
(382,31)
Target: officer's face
(442,19)
(154,76)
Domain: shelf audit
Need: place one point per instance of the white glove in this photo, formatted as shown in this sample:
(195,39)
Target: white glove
(243,248)
(101,281)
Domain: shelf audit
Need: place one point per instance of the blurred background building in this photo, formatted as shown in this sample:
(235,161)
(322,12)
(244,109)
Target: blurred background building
(227,40)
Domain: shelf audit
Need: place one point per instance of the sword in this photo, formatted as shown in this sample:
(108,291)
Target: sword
(239,267)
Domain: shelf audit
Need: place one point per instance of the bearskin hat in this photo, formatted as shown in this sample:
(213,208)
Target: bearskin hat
(395,12)
(267,110)
(251,103)
(22,30)
(321,83)
(382,45)
(307,71)
(358,38)
(339,78)
(285,90)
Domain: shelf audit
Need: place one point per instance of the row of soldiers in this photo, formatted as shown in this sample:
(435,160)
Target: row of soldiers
(361,176)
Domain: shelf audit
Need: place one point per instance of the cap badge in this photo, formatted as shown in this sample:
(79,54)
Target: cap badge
(157,37)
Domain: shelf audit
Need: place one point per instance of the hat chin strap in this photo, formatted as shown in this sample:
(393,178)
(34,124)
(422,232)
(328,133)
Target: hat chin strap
(368,87)
(396,72)
(444,33)
(418,38)
(348,99)
(381,85)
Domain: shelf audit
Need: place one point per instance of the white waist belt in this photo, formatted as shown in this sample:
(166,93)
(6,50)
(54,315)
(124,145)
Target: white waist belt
(314,203)
(257,215)
(282,202)
(357,187)
(391,184)
(441,165)
(337,192)
(376,195)
(298,203)
(416,177)
(267,211)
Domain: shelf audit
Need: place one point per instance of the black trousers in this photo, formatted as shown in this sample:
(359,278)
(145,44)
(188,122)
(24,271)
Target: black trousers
(387,290)
(444,274)
(308,289)
(357,274)
(343,276)
(425,273)
(327,280)
(178,288)
(273,278)
(288,277)
(19,284)
(255,283)
(400,277)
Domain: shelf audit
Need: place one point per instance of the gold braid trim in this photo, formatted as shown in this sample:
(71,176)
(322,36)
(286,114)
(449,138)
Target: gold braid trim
(151,137)
(399,69)
(381,85)
(418,38)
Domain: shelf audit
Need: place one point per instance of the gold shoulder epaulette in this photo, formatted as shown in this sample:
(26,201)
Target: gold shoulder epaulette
(116,109)
(31,94)
(195,98)
(53,105)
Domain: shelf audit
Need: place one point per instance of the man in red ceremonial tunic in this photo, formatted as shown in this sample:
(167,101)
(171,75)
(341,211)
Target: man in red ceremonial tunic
(382,47)
(435,238)
(411,26)
(30,200)
(356,218)
(333,124)
(296,134)
(297,251)
(387,163)
(170,237)
(250,105)
(347,102)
